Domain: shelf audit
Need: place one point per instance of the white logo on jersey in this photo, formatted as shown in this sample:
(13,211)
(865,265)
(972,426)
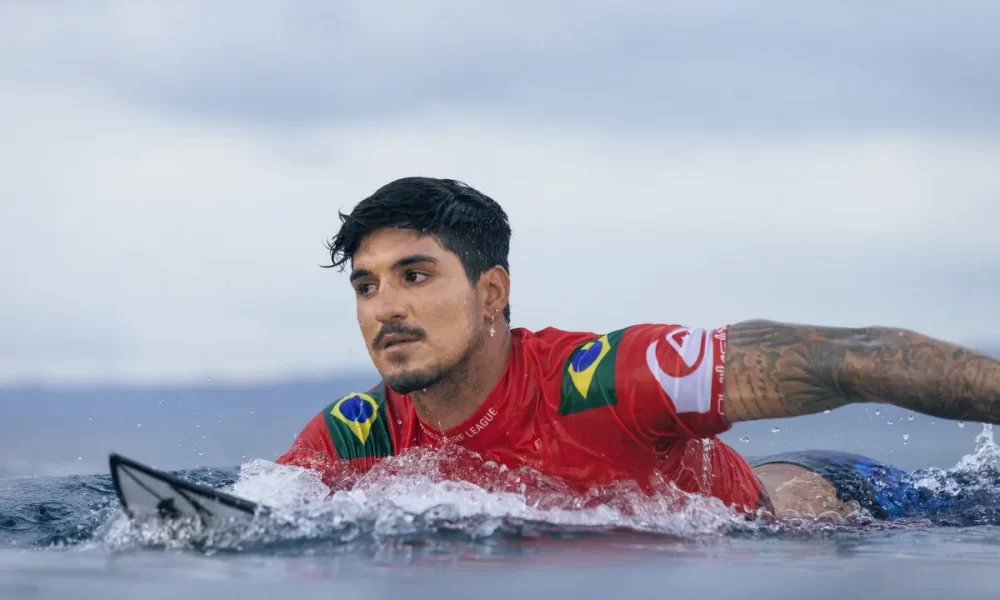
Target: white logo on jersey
(691,388)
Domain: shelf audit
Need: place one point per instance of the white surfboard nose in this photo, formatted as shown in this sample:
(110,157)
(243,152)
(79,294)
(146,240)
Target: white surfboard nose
(144,491)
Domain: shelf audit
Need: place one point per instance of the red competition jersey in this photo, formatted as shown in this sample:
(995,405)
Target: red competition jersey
(634,404)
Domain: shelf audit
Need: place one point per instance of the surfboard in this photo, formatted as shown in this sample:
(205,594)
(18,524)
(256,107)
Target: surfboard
(144,491)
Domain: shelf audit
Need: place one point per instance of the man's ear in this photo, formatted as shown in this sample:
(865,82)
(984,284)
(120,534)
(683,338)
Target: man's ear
(494,288)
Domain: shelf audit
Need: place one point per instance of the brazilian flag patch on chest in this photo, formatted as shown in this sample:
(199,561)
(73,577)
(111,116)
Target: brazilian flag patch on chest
(589,375)
(359,425)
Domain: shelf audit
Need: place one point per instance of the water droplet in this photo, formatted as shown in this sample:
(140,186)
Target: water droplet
(251,412)
(204,437)
(826,412)
(200,453)
(90,418)
(745,439)
(877,412)
(889,422)
(399,421)
(138,424)
(910,417)
(79,458)
(775,429)
(961,424)
(906,436)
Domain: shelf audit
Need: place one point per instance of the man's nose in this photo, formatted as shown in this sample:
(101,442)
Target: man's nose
(389,304)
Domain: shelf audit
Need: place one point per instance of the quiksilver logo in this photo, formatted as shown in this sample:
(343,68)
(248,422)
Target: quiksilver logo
(682,367)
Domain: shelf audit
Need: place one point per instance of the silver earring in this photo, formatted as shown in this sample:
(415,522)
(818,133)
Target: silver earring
(493,330)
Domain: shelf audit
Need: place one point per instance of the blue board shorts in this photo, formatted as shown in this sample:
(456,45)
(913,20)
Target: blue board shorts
(884,491)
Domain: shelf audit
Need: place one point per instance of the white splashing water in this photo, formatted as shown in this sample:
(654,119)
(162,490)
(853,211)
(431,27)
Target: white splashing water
(986,455)
(415,487)
(409,494)
(985,458)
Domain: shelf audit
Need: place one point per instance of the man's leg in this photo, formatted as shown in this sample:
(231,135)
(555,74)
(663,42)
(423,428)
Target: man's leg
(796,491)
(813,482)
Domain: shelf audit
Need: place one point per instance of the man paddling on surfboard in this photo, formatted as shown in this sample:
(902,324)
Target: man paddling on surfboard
(428,260)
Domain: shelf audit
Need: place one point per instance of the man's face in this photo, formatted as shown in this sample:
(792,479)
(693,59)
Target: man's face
(418,313)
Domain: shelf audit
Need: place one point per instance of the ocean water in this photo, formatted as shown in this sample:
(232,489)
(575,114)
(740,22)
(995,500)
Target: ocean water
(413,535)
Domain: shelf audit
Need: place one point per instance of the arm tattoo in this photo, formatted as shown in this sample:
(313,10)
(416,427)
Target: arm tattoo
(782,370)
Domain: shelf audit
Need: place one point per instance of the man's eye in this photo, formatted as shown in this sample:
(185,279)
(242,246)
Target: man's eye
(365,288)
(415,276)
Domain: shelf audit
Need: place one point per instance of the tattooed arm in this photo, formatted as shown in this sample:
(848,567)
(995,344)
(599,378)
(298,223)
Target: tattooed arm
(782,370)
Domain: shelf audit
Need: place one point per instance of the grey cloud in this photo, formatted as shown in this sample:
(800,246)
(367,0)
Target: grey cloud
(150,238)
(729,67)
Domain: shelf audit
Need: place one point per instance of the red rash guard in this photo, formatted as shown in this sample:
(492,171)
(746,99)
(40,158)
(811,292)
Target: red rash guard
(589,409)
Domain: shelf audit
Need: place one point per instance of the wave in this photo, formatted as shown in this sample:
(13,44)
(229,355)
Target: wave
(407,500)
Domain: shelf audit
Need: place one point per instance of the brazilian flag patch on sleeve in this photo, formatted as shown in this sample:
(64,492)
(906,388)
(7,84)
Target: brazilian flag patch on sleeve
(359,425)
(589,375)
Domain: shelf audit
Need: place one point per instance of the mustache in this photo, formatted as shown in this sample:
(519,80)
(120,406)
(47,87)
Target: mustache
(397,328)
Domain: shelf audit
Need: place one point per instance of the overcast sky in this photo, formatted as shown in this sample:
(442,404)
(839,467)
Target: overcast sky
(169,172)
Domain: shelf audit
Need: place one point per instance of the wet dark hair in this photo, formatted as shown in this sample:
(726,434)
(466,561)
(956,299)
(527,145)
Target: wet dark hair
(465,221)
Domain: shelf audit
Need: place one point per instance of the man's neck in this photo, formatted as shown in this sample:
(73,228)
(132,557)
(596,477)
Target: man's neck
(456,398)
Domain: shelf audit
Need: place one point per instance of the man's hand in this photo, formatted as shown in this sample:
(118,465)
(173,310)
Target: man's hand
(782,370)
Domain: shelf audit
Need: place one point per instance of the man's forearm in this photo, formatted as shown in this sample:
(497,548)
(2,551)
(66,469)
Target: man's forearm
(781,370)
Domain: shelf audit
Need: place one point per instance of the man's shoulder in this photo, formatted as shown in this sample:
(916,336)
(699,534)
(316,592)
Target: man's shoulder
(551,347)
(579,365)
(552,336)
(556,340)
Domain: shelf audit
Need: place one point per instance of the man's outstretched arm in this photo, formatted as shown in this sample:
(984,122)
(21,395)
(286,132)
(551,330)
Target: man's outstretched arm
(778,370)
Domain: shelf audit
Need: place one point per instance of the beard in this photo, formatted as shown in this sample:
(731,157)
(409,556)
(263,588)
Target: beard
(415,381)
(420,380)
